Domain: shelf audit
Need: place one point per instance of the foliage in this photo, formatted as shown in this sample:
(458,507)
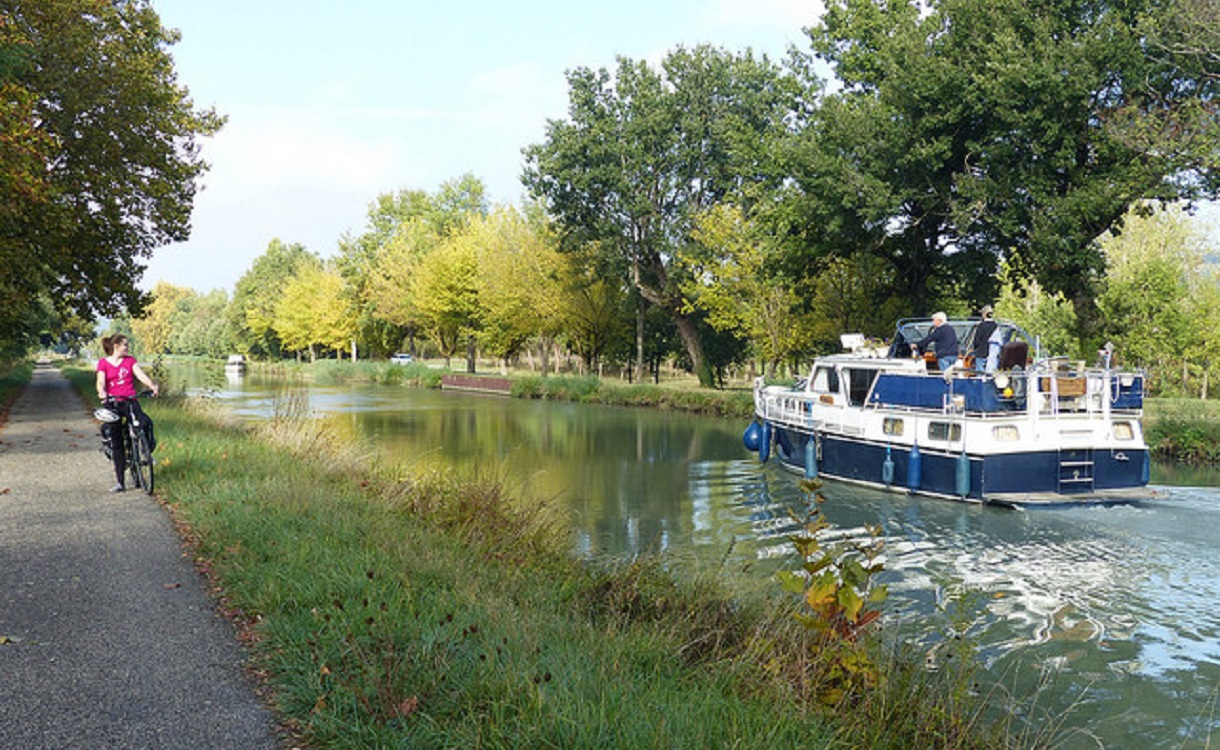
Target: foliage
(1049,318)
(644,151)
(1159,300)
(251,312)
(1186,430)
(836,584)
(402,227)
(732,278)
(100,148)
(445,290)
(314,311)
(966,131)
(518,281)
(181,321)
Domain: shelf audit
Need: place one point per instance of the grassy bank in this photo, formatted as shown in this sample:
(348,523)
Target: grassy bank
(13,377)
(393,611)
(1183,429)
(680,396)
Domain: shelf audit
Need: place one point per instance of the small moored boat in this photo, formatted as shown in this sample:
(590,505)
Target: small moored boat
(236,364)
(1029,431)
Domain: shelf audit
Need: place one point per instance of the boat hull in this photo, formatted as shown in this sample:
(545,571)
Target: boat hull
(1081,475)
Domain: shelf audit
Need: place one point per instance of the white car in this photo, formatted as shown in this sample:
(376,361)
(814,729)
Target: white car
(402,358)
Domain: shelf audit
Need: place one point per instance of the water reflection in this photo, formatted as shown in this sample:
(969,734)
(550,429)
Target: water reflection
(1107,614)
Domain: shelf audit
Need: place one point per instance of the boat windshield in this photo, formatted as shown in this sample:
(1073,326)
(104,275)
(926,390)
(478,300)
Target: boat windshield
(914,329)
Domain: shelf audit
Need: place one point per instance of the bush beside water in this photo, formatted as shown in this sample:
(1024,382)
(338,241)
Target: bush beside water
(1186,430)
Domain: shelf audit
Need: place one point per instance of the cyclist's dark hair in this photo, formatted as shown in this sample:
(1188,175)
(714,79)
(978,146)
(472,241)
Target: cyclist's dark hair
(110,342)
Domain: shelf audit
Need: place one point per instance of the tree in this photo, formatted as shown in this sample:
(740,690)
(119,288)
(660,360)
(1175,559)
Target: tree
(982,129)
(445,290)
(641,154)
(251,312)
(1157,297)
(518,280)
(314,311)
(157,324)
(402,228)
(734,281)
(100,149)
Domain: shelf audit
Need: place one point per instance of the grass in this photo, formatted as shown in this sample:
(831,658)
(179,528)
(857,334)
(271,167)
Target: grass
(13,377)
(1186,430)
(386,610)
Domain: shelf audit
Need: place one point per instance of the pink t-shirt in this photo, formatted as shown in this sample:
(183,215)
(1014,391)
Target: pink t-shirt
(119,380)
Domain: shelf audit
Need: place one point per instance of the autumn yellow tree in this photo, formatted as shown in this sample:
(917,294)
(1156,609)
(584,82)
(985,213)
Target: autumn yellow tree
(315,310)
(518,282)
(156,326)
(444,287)
(732,280)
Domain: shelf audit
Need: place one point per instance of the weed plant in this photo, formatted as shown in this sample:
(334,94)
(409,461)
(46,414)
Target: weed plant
(389,610)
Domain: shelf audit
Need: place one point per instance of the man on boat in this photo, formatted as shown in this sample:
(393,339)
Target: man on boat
(986,352)
(943,341)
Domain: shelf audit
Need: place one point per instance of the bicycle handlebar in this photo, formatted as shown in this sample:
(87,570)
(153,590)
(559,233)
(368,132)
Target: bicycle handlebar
(139,395)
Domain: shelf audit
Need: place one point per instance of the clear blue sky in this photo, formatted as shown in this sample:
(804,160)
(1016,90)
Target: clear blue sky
(333,103)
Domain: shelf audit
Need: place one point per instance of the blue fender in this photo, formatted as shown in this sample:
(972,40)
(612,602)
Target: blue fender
(752,437)
(963,475)
(887,468)
(811,458)
(914,469)
(764,443)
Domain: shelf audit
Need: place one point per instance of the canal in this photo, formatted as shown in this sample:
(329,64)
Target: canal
(1102,621)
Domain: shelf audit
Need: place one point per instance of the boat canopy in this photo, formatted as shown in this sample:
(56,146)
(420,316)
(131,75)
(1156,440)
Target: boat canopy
(914,329)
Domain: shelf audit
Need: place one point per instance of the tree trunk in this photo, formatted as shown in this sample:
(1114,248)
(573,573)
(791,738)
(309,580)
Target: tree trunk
(470,355)
(639,342)
(689,334)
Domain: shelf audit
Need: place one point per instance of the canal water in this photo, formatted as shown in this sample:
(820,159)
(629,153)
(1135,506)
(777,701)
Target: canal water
(1099,626)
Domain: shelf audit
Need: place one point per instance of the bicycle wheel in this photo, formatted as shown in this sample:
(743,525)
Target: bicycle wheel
(146,462)
(136,455)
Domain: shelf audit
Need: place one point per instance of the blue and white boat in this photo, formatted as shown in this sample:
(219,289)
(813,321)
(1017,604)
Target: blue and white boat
(1029,431)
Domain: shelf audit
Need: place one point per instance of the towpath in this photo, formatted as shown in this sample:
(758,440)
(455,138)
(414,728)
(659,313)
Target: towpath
(108,638)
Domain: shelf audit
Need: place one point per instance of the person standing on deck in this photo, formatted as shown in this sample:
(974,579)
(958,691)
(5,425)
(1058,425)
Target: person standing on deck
(943,341)
(982,341)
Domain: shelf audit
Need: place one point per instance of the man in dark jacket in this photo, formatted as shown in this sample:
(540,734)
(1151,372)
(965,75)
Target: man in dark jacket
(982,336)
(943,341)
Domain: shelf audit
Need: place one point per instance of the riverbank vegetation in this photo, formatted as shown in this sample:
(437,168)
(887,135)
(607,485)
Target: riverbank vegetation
(1186,430)
(391,610)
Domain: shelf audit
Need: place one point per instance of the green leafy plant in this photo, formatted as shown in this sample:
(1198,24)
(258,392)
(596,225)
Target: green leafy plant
(837,584)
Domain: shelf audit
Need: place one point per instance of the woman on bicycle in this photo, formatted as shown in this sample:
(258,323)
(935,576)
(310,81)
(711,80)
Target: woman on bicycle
(116,376)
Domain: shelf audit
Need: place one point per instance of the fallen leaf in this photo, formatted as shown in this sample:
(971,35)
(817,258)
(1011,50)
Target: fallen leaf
(169,586)
(408,706)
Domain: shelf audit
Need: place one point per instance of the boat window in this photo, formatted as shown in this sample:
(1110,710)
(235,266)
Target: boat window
(825,380)
(858,384)
(944,431)
(1006,433)
(1123,431)
(892,426)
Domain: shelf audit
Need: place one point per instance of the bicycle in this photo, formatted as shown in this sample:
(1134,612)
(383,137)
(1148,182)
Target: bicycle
(136,450)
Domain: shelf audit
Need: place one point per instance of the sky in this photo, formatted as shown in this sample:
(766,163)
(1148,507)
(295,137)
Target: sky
(331,104)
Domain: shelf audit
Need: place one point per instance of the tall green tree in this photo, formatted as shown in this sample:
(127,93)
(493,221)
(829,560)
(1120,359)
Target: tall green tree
(100,145)
(642,152)
(402,228)
(969,130)
(251,312)
(1158,297)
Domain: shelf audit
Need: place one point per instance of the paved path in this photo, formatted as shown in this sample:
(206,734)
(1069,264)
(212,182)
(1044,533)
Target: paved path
(107,637)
